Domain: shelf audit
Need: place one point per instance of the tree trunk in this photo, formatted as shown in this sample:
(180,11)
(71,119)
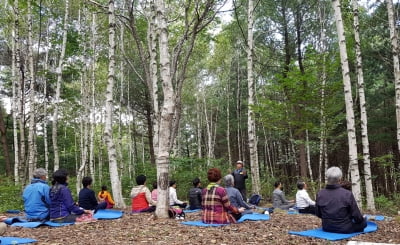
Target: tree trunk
(251,124)
(3,132)
(198,124)
(45,121)
(108,131)
(351,131)
(364,122)
(93,92)
(58,88)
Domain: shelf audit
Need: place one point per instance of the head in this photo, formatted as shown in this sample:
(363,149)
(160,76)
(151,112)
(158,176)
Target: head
(196,182)
(301,185)
(103,188)
(87,181)
(214,175)
(155,185)
(60,177)
(40,173)
(229,180)
(172,183)
(239,164)
(141,179)
(278,184)
(333,175)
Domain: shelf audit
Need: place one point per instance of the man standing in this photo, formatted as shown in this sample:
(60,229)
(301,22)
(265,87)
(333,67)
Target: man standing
(240,176)
(36,197)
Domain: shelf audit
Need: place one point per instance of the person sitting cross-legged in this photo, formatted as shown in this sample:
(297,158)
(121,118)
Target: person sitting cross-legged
(195,195)
(337,206)
(36,197)
(279,199)
(215,201)
(303,200)
(235,197)
(105,196)
(141,197)
(173,198)
(87,197)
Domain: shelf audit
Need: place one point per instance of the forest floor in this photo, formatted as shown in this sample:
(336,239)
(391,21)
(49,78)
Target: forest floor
(145,229)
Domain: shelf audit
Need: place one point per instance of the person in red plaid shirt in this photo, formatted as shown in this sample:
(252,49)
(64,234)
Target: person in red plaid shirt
(216,202)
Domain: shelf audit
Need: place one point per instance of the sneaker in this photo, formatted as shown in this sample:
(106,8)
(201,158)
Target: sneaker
(181,218)
(177,218)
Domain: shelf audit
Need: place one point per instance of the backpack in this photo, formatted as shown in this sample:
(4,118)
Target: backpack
(255,199)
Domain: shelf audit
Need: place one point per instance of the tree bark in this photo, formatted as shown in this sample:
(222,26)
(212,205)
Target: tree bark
(251,124)
(108,131)
(3,132)
(364,122)
(351,131)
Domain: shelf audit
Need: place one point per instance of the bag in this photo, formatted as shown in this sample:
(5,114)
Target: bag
(176,213)
(255,199)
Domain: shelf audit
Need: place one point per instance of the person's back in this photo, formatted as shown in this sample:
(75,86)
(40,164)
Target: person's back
(37,200)
(87,199)
(235,197)
(195,198)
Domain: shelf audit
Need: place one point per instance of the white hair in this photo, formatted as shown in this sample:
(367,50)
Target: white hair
(333,175)
(40,172)
(229,180)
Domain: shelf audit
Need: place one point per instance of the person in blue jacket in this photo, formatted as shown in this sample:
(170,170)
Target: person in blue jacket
(36,197)
(63,208)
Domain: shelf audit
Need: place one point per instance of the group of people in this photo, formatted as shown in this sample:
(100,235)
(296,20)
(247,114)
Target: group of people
(55,203)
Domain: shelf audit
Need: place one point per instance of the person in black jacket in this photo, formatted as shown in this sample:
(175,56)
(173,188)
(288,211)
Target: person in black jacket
(337,206)
(240,176)
(195,195)
(87,197)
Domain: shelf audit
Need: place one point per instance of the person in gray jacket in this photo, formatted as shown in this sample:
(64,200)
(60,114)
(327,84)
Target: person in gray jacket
(235,197)
(279,200)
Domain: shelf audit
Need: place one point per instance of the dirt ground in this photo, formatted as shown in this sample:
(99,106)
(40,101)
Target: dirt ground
(144,229)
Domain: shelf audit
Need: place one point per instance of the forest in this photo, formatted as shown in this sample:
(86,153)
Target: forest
(113,89)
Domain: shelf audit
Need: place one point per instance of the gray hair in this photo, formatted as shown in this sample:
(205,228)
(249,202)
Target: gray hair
(40,172)
(228,180)
(333,175)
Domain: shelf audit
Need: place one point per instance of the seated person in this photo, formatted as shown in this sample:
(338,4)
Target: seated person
(141,197)
(279,200)
(154,192)
(36,197)
(337,206)
(235,197)
(173,198)
(87,198)
(105,196)
(303,200)
(215,201)
(62,206)
(195,195)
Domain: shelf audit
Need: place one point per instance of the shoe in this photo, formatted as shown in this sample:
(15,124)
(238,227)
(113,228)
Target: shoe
(86,218)
(181,218)
(177,218)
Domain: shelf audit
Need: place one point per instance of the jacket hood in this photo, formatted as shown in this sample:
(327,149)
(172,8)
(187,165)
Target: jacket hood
(36,180)
(137,189)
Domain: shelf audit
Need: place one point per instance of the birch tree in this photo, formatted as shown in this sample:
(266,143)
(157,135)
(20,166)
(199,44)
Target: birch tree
(108,131)
(351,131)
(251,125)
(364,122)
(58,87)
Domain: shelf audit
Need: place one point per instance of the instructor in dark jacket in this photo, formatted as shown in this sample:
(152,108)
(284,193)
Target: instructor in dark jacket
(337,206)
(240,176)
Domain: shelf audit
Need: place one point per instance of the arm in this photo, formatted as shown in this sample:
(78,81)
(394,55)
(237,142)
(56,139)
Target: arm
(93,199)
(282,197)
(174,196)
(317,208)
(355,211)
(69,202)
(147,193)
(109,198)
(46,193)
(242,203)
(199,196)
(245,176)
(225,201)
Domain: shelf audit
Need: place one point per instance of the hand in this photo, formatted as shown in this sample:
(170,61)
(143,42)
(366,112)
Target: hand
(88,211)
(254,207)
(241,210)
(3,218)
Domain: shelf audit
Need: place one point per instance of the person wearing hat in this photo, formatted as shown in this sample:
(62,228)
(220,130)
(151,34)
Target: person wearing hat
(240,176)
(195,195)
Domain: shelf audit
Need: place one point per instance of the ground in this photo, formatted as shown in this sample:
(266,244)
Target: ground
(144,229)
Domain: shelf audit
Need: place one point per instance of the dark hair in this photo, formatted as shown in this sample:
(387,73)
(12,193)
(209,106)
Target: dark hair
(172,182)
(86,181)
(155,185)
(346,184)
(103,187)
(214,174)
(60,177)
(300,184)
(140,179)
(277,183)
(196,181)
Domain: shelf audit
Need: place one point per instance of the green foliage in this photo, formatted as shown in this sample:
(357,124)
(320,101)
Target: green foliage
(386,205)
(10,195)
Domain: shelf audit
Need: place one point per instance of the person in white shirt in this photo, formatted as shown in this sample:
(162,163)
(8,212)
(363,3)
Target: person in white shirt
(303,200)
(173,198)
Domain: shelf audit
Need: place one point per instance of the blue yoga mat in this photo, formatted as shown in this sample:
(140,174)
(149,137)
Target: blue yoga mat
(191,210)
(249,217)
(108,214)
(376,217)
(319,233)
(21,222)
(13,211)
(16,240)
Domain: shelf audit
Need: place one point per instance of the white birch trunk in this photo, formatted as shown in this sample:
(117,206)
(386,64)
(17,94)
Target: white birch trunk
(310,172)
(198,121)
(45,121)
(32,123)
(228,124)
(93,101)
(108,131)
(15,79)
(251,125)
(351,131)
(364,122)
(58,88)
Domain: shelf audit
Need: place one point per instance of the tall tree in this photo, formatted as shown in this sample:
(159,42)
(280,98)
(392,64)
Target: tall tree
(351,130)
(251,124)
(108,131)
(364,122)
